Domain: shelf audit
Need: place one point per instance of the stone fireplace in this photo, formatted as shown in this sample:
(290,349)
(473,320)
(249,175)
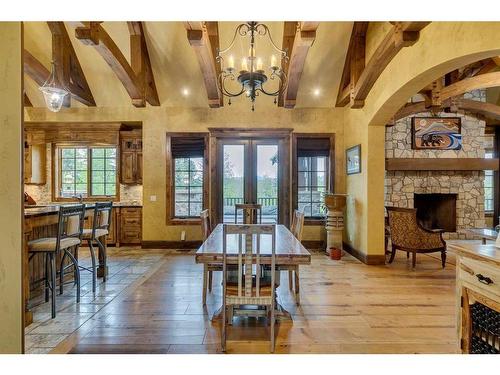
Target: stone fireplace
(452,200)
(437,211)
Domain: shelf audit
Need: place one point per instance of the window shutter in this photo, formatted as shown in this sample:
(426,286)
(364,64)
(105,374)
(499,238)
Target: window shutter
(307,147)
(187,147)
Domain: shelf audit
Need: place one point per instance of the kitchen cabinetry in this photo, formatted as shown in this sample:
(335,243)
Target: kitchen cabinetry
(478,298)
(130,232)
(35,158)
(131,157)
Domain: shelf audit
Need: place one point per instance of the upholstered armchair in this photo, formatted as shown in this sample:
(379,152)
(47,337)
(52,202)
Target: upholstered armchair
(408,235)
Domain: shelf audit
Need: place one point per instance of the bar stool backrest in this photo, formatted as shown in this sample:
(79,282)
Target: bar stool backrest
(102,216)
(70,222)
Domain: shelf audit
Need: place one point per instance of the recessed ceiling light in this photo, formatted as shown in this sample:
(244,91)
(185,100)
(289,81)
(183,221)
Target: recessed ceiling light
(317,92)
(185,91)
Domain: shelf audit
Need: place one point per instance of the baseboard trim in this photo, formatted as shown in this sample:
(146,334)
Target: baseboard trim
(313,244)
(366,259)
(184,245)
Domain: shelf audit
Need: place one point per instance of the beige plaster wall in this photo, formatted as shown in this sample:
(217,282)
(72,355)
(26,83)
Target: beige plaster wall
(158,121)
(11,333)
(442,47)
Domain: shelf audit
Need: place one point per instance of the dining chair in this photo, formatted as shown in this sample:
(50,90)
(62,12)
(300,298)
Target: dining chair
(69,234)
(244,287)
(296,228)
(252,213)
(208,268)
(97,234)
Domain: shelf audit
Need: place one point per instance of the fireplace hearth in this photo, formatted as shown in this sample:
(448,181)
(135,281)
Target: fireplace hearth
(437,211)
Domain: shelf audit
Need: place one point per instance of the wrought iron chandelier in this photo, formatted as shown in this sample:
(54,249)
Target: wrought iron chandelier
(252,76)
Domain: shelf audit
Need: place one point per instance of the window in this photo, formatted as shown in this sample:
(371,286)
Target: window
(313,171)
(186,177)
(87,171)
(312,184)
(488,185)
(188,186)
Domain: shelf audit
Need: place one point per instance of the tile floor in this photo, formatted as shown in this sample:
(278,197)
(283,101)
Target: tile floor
(126,265)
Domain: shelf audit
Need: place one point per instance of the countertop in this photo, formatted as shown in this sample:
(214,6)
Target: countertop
(487,253)
(30,211)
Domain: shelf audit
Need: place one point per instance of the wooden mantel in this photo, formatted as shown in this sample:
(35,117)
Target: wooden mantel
(441,164)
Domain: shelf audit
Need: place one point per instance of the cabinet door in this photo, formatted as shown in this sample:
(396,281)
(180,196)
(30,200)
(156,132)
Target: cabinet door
(138,167)
(127,173)
(27,164)
(127,144)
(138,144)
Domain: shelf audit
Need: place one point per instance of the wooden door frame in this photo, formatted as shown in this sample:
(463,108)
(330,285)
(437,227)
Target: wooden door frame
(282,135)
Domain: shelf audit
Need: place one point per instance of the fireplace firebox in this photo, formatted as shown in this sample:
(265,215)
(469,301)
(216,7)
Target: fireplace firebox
(437,211)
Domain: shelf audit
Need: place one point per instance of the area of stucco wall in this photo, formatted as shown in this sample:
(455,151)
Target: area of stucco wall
(442,47)
(157,121)
(11,306)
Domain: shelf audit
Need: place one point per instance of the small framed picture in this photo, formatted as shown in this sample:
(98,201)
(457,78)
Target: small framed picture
(353,159)
(436,133)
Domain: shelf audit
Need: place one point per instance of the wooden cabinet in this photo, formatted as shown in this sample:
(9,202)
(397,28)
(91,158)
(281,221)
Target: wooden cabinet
(131,157)
(35,158)
(130,232)
(478,302)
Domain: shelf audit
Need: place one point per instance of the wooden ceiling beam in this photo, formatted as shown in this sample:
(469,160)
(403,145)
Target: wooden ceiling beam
(199,38)
(93,34)
(482,81)
(354,63)
(141,62)
(289,31)
(35,69)
(27,101)
(68,67)
(402,34)
(488,110)
(303,40)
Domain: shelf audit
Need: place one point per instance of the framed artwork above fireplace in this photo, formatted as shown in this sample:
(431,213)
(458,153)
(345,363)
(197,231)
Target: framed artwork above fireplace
(436,133)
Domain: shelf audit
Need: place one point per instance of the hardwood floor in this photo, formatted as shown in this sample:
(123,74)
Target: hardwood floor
(346,307)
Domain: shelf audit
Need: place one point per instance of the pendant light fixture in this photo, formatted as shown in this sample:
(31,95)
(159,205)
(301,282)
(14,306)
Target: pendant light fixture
(53,91)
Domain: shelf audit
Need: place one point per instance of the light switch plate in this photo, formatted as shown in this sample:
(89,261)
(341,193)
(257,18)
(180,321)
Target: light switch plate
(152,198)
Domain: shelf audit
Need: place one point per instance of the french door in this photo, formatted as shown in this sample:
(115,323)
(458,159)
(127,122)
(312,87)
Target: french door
(249,172)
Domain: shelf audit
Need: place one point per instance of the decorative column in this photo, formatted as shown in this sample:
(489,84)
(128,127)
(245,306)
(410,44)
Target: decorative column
(335,204)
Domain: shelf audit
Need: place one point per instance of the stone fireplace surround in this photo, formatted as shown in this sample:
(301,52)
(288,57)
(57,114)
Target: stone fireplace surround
(400,186)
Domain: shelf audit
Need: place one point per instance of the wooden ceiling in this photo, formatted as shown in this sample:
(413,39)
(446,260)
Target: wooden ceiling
(116,64)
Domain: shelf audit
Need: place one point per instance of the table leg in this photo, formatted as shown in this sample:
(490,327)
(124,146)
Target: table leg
(484,241)
(101,270)
(205,271)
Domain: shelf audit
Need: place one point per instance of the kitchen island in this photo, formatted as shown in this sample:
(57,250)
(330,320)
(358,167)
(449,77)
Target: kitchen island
(478,297)
(41,221)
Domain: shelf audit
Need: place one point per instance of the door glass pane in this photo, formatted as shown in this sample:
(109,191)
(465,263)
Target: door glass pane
(267,182)
(233,180)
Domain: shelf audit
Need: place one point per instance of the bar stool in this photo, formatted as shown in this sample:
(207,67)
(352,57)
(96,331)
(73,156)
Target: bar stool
(69,233)
(100,229)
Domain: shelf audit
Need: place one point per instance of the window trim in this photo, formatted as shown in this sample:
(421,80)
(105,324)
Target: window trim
(489,213)
(171,219)
(330,170)
(56,172)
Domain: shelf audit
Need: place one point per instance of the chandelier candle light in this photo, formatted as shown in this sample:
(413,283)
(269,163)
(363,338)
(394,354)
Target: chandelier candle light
(53,91)
(252,75)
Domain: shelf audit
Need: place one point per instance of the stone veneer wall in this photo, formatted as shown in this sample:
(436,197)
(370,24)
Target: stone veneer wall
(42,194)
(400,186)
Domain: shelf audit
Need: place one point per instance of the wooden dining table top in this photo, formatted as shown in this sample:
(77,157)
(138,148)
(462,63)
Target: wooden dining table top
(289,250)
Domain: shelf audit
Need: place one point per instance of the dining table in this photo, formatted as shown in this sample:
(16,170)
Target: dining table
(289,252)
